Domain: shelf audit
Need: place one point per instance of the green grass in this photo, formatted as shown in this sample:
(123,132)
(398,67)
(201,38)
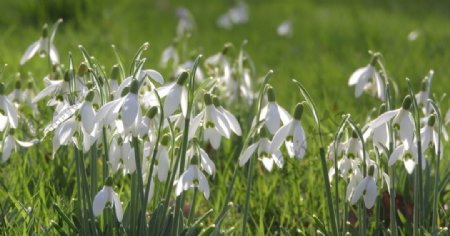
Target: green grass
(330,41)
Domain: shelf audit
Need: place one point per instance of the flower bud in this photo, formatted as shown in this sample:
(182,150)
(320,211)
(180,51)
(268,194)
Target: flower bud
(182,78)
(371,170)
(109,181)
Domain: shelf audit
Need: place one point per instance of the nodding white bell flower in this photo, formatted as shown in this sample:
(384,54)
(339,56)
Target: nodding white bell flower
(106,195)
(129,109)
(17,95)
(114,80)
(169,54)
(43,46)
(214,124)
(87,113)
(149,123)
(205,162)
(361,80)
(430,135)
(424,93)
(64,134)
(121,149)
(401,118)
(175,94)
(10,143)
(355,177)
(367,189)
(143,77)
(273,114)
(236,15)
(8,112)
(407,152)
(24,95)
(162,164)
(193,177)
(293,135)
(265,154)
(285,29)
(186,22)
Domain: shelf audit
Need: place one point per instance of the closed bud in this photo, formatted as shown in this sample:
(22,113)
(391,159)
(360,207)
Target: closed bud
(82,69)
(432,120)
(407,103)
(115,72)
(270,94)
(371,170)
(109,181)
(151,113)
(90,96)
(182,78)
(298,111)
(207,98)
(134,87)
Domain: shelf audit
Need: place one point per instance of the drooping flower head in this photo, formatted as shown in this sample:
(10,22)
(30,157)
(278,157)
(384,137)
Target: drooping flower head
(368,79)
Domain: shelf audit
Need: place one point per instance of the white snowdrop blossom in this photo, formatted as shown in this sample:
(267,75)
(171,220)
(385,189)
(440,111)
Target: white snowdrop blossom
(367,189)
(214,123)
(355,177)
(379,135)
(169,54)
(265,154)
(407,152)
(8,112)
(107,195)
(186,22)
(293,135)
(59,87)
(162,163)
(238,14)
(205,162)
(401,120)
(368,79)
(273,114)
(43,46)
(175,94)
(430,135)
(285,29)
(232,122)
(193,177)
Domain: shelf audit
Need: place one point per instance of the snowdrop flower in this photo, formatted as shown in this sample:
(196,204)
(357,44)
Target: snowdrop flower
(215,125)
(355,177)
(11,143)
(401,118)
(59,87)
(193,177)
(149,123)
(8,112)
(236,15)
(175,94)
(293,135)
(367,189)
(407,152)
(285,29)
(162,163)
(273,114)
(205,162)
(186,22)
(430,135)
(360,78)
(106,195)
(413,35)
(144,76)
(265,154)
(43,46)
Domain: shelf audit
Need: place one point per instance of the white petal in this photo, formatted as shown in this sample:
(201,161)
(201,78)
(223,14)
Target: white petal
(396,154)
(3,122)
(370,194)
(117,207)
(130,109)
(383,118)
(206,163)
(163,164)
(53,55)
(280,136)
(247,154)
(213,137)
(172,100)
(299,141)
(54,86)
(232,121)
(30,52)
(11,112)
(194,125)
(8,145)
(268,163)
(66,131)
(409,165)
(27,144)
(358,191)
(155,75)
(87,116)
(354,78)
(184,101)
(100,200)
(284,115)
(272,118)
(203,184)
(185,180)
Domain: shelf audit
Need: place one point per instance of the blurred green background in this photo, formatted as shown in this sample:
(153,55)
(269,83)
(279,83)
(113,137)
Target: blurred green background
(330,38)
